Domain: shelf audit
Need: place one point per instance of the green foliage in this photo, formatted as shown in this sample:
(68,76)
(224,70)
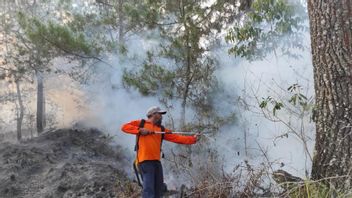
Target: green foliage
(276,105)
(95,29)
(141,14)
(14,51)
(52,39)
(188,30)
(181,26)
(270,25)
(296,99)
(300,100)
(152,79)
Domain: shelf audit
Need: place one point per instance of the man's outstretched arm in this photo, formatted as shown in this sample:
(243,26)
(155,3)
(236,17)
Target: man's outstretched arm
(180,139)
(131,127)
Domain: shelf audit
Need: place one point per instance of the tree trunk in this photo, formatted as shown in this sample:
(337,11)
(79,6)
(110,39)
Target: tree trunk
(20,111)
(121,25)
(40,103)
(188,75)
(331,41)
(188,81)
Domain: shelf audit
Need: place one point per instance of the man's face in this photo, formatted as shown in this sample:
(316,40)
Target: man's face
(157,117)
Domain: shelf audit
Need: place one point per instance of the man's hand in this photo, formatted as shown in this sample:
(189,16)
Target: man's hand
(197,136)
(144,131)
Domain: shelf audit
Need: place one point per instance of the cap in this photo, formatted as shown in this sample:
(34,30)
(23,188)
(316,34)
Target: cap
(153,110)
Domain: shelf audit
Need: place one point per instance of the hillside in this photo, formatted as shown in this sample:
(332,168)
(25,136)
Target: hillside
(62,163)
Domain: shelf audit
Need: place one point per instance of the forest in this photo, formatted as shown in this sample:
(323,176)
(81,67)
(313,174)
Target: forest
(264,87)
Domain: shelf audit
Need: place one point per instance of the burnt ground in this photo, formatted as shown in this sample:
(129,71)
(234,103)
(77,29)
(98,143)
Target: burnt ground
(63,163)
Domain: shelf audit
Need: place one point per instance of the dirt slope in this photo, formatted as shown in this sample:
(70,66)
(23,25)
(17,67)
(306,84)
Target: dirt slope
(61,163)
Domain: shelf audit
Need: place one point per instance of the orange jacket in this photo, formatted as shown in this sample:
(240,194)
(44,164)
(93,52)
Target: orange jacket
(149,145)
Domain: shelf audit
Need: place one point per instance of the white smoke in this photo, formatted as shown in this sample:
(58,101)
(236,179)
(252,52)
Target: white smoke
(252,81)
(111,105)
(107,105)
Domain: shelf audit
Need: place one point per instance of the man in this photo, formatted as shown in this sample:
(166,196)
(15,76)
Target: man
(148,148)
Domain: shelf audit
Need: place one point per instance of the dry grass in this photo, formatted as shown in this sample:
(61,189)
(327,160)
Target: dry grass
(316,189)
(127,189)
(243,182)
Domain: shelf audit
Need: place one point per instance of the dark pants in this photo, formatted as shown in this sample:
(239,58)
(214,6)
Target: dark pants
(152,173)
